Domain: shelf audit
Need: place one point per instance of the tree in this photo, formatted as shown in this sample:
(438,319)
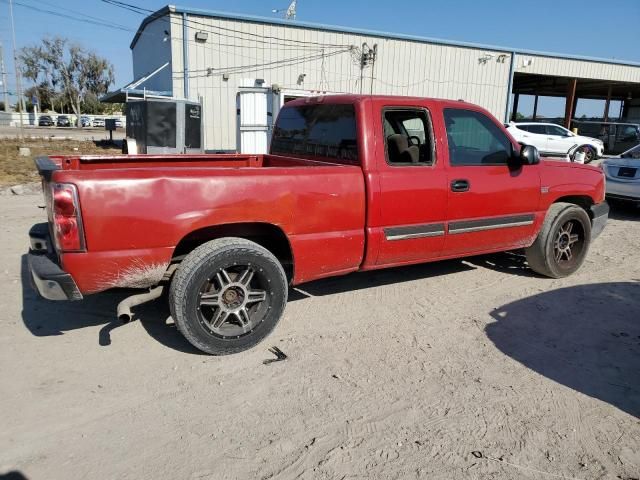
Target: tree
(66,73)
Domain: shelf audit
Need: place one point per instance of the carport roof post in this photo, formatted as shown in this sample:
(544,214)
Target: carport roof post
(570,102)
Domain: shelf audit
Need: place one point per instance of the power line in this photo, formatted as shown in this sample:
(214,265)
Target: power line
(317,56)
(108,24)
(144,11)
(233,69)
(250,34)
(128,6)
(262,66)
(95,21)
(88,20)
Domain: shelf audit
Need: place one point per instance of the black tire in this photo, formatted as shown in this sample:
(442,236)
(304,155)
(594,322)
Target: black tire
(556,253)
(232,281)
(589,153)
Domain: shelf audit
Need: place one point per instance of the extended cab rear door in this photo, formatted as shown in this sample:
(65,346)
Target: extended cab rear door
(407,221)
(491,205)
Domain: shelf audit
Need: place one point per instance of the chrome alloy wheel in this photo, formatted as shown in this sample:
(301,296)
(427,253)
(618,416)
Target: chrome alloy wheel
(234,301)
(568,243)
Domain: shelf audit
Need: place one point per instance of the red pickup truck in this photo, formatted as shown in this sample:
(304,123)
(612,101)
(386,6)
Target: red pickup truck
(350,183)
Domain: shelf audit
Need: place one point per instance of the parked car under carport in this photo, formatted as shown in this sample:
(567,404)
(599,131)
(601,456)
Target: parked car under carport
(623,176)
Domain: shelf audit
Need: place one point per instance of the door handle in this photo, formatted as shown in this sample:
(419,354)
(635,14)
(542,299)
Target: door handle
(460,185)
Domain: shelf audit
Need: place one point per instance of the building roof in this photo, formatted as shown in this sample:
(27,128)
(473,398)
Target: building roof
(358,31)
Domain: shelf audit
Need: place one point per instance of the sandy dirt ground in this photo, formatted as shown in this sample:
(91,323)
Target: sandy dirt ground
(462,369)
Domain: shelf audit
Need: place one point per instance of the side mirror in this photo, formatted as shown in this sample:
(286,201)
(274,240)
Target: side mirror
(529,155)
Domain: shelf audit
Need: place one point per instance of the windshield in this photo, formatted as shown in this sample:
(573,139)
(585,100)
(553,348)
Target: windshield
(632,153)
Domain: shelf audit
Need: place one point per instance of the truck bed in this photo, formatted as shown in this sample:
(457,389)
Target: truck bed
(99,162)
(138,209)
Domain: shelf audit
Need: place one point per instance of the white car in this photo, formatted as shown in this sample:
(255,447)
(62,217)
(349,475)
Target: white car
(552,140)
(623,176)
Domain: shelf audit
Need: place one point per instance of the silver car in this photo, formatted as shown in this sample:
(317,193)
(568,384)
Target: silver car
(623,176)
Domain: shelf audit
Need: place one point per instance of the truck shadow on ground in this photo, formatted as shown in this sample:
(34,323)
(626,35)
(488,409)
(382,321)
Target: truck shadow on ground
(45,318)
(586,337)
(376,278)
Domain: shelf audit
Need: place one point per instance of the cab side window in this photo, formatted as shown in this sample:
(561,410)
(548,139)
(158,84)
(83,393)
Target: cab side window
(627,132)
(408,136)
(474,139)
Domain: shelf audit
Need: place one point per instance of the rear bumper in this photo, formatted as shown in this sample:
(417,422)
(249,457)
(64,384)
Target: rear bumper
(599,217)
(47,278)
(624,198)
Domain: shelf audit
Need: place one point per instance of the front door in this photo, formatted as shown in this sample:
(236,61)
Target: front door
(410,224)
(558,140)
(491,206)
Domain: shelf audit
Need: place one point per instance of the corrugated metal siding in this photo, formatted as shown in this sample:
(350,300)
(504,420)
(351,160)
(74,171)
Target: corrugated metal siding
(577,68)
(153,50)
(402,68)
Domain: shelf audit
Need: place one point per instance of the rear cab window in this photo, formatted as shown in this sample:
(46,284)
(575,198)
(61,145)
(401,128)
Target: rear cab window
(474,139)
(318,132)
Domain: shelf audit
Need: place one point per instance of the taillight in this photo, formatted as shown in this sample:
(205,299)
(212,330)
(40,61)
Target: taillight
(67,223)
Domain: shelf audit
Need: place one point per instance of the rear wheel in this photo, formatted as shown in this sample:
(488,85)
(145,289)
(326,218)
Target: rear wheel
(228,295)
(563,241)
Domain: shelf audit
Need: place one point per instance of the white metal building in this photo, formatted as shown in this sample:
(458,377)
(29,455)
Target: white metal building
(215,56)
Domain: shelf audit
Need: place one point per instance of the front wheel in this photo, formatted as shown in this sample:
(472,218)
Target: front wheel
(589,153)
(227,295)
(563,241)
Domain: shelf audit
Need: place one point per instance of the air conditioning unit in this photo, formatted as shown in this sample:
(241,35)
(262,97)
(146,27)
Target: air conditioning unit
(160,126)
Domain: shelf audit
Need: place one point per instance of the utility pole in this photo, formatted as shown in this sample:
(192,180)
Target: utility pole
(16,67)
(3,80)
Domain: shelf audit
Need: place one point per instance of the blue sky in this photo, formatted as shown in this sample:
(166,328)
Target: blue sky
(581,27)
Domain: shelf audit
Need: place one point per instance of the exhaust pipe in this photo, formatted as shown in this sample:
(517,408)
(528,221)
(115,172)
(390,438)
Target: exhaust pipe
(124,307)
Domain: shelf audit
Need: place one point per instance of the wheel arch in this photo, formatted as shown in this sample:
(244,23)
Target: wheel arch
(583,201)
(267,235)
